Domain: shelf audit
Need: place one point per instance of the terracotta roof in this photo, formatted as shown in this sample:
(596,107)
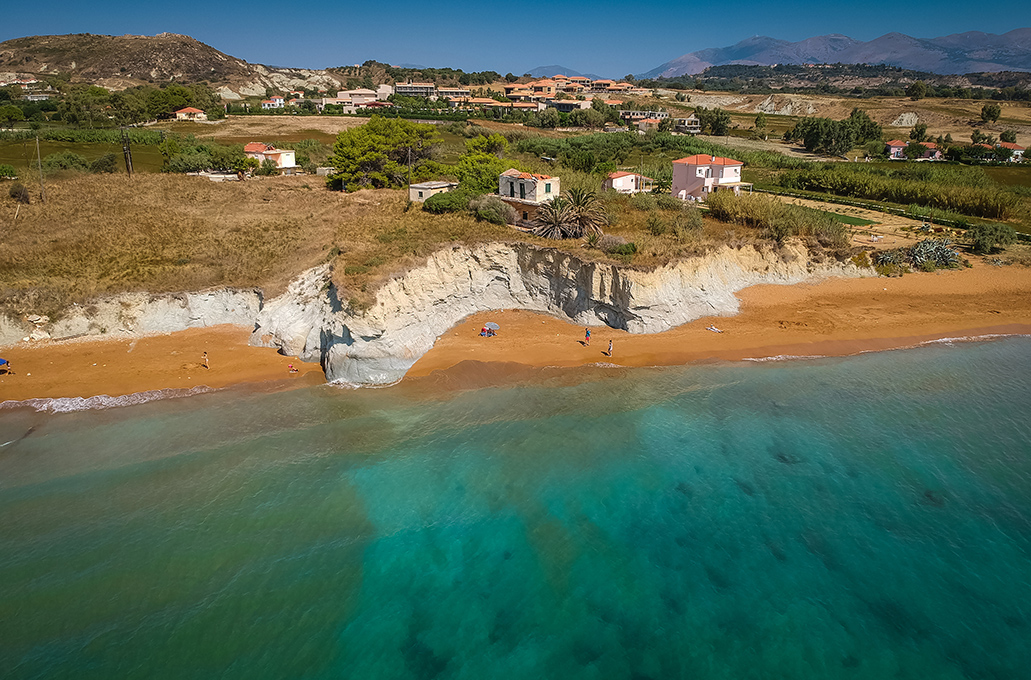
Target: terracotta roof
(621,173)
(649,120)
(256,147)
(523,175)
(897,142)
(1011,146)
(705,159)
(981,146)
(189,109)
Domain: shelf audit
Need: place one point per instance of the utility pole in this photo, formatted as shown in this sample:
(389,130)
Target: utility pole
(127,151)
(39,162)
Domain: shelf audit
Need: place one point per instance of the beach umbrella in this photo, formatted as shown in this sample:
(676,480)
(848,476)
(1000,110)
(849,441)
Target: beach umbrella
(491,325)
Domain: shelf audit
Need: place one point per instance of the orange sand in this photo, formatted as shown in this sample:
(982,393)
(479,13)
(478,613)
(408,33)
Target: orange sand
(831,318)
(86,368)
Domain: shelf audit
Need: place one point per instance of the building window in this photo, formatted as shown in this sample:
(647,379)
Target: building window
(547,188)
(522,190)
(420,194)
(511,189)
(526,216)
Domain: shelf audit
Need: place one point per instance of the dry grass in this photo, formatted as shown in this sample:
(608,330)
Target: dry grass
(101,235)
(257,128)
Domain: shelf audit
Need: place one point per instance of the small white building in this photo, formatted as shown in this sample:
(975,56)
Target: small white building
(628,182)
(418,193)
(695,177)
(284,159)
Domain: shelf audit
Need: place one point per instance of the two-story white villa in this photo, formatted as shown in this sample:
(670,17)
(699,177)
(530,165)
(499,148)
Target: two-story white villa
(525,191)
(695,177)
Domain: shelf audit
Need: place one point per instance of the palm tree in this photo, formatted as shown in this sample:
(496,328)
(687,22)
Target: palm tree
(554,219)
(588,213)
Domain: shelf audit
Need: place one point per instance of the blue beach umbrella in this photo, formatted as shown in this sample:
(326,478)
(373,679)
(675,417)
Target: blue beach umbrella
(491,325)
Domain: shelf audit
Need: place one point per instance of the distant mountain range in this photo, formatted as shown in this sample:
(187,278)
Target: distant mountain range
(554,70)
(972,52)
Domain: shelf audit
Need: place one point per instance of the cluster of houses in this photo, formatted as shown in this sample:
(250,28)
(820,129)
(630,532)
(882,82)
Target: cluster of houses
(694,178)
(896,149)
(33,90)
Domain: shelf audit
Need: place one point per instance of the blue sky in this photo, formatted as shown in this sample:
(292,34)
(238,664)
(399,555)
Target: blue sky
(604,37)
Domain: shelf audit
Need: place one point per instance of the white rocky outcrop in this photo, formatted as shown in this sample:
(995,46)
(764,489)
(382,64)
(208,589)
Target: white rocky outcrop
(411,311)
(141,314)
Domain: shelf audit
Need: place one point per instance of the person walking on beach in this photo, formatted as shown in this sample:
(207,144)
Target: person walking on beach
(587,337)
(206,360)
(610,348)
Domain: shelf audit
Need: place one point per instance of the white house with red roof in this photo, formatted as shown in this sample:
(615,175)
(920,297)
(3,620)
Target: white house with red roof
(190,113)
(527,191)
(284,159)
(628,182)
(1017,152)
(275,102)
(695,177)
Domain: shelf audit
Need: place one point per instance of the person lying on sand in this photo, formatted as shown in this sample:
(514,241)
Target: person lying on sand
(713,329)
(5,367)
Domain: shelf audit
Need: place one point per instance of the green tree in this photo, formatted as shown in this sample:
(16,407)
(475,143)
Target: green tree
(10,113)
(919,132)
(914,151)
(478,172)
(548,118)
(985,238)
(1009,136)
(493,144)
(715,121)
(509,78)
(917,90)
(990,113)
(588,214)
(760,121)
(376,155)
(864,127)
(554,219)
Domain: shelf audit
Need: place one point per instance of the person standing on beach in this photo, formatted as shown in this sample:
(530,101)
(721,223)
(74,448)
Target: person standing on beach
(587,337)
(206,360)
(610,348)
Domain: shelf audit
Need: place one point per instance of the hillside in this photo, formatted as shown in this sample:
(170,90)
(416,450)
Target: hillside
(117,62)
(971,52)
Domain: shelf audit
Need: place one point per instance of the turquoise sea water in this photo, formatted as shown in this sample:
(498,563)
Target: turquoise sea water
(867,517)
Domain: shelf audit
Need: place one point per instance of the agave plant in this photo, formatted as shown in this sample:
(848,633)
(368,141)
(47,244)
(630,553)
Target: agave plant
(554,219)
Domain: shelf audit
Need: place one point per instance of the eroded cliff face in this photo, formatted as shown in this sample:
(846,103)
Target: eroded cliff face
(411,311)
(133,314)
(378,346)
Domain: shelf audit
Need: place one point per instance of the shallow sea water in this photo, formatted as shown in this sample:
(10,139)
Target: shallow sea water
(866,517)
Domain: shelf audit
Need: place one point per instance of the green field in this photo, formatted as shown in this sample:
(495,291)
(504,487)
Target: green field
(22,154)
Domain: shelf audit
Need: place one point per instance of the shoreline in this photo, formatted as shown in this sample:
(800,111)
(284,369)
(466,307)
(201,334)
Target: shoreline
(85,368)
(833,317)
(829,318)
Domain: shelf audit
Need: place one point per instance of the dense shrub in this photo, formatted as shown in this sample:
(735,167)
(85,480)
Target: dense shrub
(447,202)
(19,193)
(986,237)
(492,209)
(7,170)
(932,191)
(65,160)
(105,164)
(776,219)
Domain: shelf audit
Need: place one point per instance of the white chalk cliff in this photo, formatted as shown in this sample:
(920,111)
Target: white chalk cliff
(379,345)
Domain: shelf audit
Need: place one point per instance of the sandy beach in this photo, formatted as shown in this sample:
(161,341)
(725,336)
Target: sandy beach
(86,368)
(834,317)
